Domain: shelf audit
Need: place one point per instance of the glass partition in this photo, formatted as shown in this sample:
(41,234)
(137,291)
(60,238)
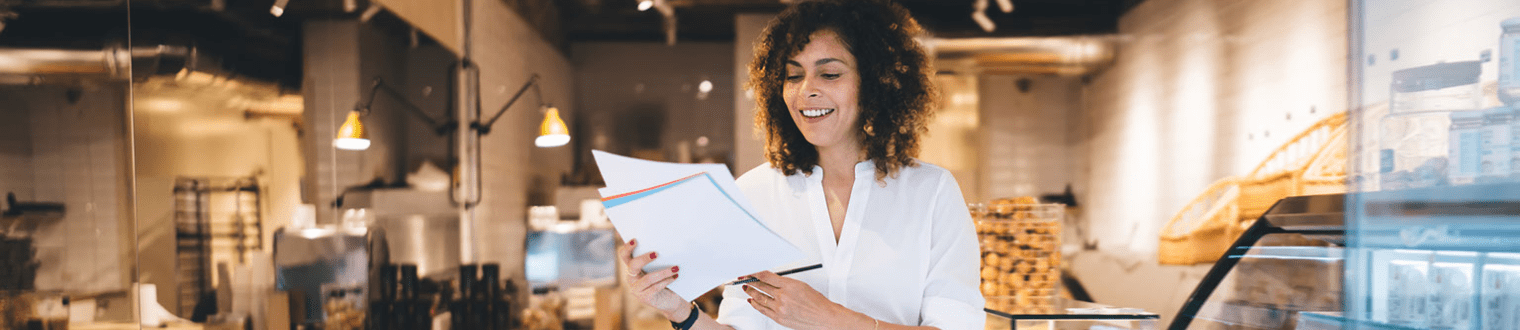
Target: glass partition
(65,224)
(1435,165)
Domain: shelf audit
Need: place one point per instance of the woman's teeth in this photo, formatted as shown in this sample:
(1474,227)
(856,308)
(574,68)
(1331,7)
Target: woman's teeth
(816,113)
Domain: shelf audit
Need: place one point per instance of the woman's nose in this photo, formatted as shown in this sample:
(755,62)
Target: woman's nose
(807,88)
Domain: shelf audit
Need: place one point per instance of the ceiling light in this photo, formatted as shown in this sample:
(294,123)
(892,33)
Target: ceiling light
(705,86)
(645,5)
(278,8)
(979,14)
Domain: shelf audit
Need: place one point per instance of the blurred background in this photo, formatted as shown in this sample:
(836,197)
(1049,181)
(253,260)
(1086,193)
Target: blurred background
(390,164)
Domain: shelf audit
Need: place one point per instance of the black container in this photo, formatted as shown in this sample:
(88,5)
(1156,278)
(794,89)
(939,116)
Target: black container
(490,274)
(387,282)
(469,282)
(409,287)
(377,315)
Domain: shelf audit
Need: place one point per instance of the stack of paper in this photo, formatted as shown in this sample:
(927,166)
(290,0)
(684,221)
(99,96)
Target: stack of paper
(694,217)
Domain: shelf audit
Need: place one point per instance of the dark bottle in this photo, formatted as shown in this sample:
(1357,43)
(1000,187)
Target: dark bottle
(491,309)
(408,283)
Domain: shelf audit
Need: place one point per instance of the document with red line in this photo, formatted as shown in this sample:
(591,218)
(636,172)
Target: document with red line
(694,216)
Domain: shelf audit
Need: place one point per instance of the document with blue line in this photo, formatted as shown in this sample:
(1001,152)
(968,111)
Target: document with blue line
(694,216)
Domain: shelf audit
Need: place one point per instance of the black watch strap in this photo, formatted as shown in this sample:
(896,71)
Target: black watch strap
(690,320)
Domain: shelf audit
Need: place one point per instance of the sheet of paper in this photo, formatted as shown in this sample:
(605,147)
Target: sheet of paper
(633,174)
(694,216)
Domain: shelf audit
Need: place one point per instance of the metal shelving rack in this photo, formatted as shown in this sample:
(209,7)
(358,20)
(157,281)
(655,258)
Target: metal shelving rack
(215,221)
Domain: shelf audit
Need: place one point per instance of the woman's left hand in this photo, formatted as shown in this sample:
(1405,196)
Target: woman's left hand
(793,303)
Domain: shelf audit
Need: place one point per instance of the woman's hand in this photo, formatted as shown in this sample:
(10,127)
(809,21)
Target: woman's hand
(796,305)
(650,288)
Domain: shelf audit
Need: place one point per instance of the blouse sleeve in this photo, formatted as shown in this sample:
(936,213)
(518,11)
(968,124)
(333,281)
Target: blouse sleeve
(952,299)
(737,313)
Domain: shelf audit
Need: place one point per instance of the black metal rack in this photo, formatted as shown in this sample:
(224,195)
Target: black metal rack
(201,231)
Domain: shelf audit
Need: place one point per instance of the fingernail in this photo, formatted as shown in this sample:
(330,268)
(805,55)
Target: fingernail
(746,286)
(675,269)
(741,277)
(750,300)
(633,242)
(652,255)
(676,276)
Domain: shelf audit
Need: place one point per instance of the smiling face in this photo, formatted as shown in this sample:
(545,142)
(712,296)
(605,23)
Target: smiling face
(822,92)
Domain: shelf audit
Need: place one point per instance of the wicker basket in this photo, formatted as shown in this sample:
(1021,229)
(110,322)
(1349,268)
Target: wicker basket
(1204,228)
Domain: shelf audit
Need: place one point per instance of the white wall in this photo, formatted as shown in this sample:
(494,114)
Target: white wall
(1201,90)
(186,130)
(1029,144)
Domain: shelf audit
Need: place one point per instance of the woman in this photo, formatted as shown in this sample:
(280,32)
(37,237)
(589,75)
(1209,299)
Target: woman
(844,96)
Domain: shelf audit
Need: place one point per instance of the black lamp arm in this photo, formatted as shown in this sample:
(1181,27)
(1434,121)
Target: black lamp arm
(485,127)
(379,85)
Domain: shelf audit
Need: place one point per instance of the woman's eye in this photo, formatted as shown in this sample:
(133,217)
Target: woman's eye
(830,76)
(793,78)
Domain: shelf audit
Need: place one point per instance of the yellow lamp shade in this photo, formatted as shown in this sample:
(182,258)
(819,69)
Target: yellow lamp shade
(351,136)
(553,132)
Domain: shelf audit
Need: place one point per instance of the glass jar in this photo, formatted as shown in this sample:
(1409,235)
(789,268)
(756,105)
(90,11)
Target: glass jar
(1437,87)
(1509,63)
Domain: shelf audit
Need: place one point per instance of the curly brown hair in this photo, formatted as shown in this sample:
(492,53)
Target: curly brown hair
(896,94)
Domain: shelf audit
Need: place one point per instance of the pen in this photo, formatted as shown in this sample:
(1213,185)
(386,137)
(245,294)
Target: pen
(782,273)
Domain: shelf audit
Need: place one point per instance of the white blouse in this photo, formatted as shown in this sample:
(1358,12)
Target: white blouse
(907,253)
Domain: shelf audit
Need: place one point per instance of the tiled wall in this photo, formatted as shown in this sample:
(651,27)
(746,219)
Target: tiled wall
(1029,142)
(508,52)
(15,147)
(77,157)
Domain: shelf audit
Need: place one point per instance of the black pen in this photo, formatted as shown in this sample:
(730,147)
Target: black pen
(782,273)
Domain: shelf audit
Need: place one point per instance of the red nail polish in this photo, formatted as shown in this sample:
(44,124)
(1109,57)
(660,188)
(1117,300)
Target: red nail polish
(675,269)
(746,286)
(652,255)
(676,276)
(741,277)
(750,300)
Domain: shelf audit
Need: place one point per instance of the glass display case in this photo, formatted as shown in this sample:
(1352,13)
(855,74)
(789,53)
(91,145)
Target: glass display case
(1433,219)
(1289,261)
(1062,313)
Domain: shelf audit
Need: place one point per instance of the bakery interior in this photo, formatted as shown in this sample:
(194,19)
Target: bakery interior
(418,164)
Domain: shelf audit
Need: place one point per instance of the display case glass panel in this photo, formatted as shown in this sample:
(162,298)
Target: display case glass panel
(1433,222)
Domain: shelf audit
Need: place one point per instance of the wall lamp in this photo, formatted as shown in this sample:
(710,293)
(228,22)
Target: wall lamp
(551,133)
(353,136)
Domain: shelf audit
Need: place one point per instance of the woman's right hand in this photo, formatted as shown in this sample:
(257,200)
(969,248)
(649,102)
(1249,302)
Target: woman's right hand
(650,288)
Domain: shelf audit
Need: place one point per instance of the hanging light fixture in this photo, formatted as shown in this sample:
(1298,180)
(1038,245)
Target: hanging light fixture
(351,136)
(552,133)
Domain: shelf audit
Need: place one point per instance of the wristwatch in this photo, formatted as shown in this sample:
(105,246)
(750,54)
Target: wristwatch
(690,320)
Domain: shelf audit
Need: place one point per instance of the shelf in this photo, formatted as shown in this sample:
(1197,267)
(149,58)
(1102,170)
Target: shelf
(1479,218)
(1332,320)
